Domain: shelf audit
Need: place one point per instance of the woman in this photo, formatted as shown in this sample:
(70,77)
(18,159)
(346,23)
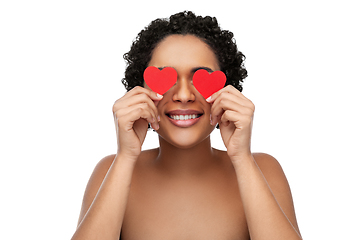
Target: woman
(185,189)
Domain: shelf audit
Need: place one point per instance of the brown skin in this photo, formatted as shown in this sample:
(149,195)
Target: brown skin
(186,189)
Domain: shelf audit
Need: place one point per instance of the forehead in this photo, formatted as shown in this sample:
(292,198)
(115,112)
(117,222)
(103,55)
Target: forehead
(180,51)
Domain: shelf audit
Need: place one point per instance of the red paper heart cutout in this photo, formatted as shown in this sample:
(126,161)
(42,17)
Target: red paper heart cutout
(207,84)
(160,81)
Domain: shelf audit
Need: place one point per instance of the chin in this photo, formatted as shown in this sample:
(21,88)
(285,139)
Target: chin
(185,138)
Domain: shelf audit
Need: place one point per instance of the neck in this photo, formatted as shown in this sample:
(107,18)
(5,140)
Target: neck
(193,160)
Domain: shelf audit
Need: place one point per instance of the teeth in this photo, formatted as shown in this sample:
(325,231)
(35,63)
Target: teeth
(184,117)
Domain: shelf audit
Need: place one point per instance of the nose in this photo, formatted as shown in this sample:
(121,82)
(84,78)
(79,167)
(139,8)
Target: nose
(184,91)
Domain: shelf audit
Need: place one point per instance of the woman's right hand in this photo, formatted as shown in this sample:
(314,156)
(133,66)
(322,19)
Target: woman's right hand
(132,113)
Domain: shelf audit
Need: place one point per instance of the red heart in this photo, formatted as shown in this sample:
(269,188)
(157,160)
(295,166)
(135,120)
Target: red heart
(207,84)
(160,80)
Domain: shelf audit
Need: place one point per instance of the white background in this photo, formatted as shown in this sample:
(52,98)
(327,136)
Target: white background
(60,70)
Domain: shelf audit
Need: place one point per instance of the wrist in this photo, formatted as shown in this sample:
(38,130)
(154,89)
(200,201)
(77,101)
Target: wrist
(124,157)
(241,158)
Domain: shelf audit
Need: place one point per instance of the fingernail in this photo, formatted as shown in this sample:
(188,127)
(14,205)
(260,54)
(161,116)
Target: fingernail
(159,96)
(208,99)
(158,118)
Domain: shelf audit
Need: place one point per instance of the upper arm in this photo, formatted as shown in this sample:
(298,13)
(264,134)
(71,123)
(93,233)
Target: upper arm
(278,184)
(94,184)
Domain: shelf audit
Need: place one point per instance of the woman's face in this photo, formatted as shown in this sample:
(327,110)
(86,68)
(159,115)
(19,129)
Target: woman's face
(184,113)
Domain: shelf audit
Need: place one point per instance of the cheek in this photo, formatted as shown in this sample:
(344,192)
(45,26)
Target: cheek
(145,85)
(207,108)
(160,105)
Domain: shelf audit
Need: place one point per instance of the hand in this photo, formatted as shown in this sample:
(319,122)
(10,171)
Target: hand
(234,113)
(132,113)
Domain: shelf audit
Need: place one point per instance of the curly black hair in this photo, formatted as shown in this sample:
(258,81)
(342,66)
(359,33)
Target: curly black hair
(231,60)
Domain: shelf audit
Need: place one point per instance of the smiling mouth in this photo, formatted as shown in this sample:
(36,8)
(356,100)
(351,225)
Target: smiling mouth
(184,117)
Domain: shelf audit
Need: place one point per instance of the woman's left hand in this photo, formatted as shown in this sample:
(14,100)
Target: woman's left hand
(234,113)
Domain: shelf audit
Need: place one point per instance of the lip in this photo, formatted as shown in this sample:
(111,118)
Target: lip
(184,112)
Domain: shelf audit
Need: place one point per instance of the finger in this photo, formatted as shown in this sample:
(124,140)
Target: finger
(215,95)
(149,117)
(230,104)
(229,116)
(126,100)
(125,111)
(228,89)
(135,100)
(127,120)
(141,90)
(226,102)
(143,105)
(219,108)
(236,98)
(239,120)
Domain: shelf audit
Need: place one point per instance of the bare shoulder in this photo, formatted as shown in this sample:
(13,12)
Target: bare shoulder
(99,173)
(94,183)
(278,184)
(264,158)
(267,163)
(272,171)
(104,164)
